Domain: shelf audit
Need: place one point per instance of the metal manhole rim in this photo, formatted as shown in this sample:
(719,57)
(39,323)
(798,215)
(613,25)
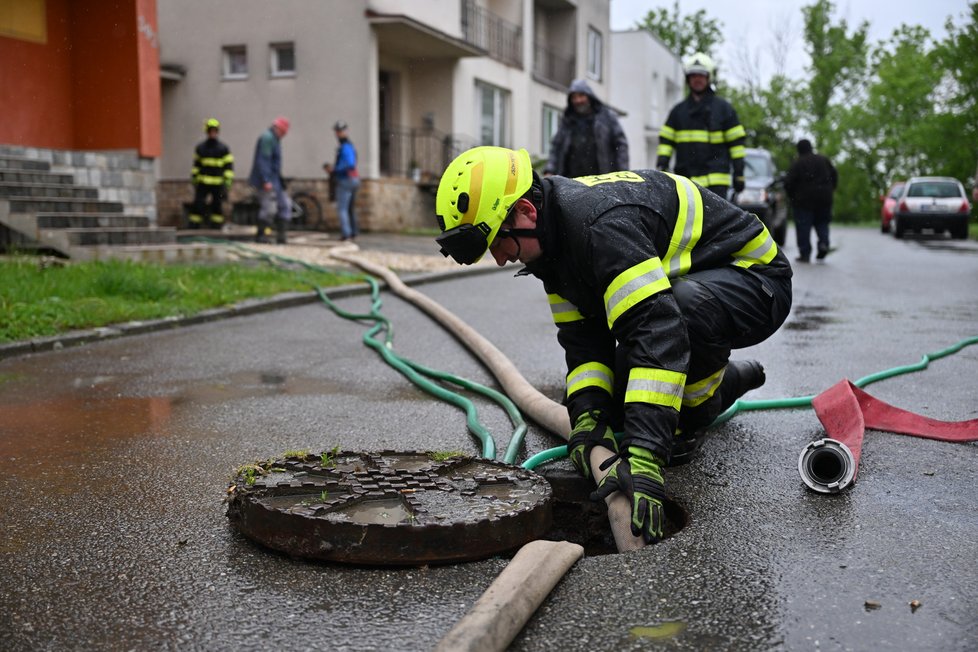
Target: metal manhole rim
(307,530)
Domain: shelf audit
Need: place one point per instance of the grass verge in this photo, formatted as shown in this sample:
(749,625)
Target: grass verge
(38,299)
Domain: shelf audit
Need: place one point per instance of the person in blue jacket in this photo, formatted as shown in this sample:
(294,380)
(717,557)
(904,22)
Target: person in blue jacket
(266,178)
(344,174)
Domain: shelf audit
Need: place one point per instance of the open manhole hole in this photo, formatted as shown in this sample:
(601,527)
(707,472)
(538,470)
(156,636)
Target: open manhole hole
(578,519)
(389,508)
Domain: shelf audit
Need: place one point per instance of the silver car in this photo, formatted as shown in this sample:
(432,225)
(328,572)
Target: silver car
(935,203)
(763,193)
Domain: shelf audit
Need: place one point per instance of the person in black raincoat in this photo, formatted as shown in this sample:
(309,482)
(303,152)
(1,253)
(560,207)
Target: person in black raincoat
(810,184)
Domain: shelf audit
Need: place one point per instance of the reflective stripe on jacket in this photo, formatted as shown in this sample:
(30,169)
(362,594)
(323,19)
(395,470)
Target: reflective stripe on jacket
(213,164)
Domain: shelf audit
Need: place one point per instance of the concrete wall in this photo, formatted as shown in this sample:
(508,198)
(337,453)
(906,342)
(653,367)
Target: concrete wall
(442,15)
(648,76)
(333,76)
(338,61)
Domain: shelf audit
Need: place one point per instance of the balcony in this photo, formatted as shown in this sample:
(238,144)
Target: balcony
(421,153)
(550,67)
(500,38)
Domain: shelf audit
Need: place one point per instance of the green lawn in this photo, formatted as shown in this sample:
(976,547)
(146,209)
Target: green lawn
(38,298)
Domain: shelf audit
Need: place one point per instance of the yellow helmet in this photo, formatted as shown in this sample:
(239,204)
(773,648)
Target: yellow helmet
(474,197)
(212,123)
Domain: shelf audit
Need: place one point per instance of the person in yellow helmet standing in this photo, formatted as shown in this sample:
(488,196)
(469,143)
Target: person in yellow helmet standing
(651,282)
(704,133)
(212,174)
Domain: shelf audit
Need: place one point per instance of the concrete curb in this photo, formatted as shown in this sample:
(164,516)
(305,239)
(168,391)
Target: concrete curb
(246,307)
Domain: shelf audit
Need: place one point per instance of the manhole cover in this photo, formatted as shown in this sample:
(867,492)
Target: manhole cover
(389,508)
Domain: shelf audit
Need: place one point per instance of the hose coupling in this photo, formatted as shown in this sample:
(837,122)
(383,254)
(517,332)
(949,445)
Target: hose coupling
(827,466)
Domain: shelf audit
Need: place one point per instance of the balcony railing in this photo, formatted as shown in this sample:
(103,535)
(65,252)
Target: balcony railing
(409,151)
(552,67)
(501,38)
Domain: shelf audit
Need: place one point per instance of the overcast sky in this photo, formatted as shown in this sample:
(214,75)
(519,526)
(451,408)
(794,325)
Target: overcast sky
(747,24)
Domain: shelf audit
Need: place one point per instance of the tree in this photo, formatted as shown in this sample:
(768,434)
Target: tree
(956,55)
(888,135)
(838,68)
(685,35)
(770,115)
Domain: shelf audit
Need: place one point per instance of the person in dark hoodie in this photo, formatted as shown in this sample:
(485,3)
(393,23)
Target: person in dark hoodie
(589,140)
(810,184)
(704,132)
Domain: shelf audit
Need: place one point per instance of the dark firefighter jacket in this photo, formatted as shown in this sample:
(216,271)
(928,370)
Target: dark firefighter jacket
(213,164)
(608,257)
(707,138)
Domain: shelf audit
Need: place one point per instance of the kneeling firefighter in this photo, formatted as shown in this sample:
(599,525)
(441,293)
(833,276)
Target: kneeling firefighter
(651,282)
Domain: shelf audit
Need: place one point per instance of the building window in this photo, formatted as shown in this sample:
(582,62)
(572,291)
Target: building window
(234,62)
(493,105)
(283,59)
(594,49)
(551,121)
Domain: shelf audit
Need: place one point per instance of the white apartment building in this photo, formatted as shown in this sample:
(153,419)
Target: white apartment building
(647,80)
(417,81)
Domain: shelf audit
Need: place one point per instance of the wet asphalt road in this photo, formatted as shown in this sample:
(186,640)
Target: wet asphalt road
(114,458)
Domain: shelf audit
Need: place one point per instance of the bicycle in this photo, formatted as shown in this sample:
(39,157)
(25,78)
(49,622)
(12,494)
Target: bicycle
(307,212)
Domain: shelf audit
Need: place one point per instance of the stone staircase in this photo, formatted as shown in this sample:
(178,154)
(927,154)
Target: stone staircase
(41,209)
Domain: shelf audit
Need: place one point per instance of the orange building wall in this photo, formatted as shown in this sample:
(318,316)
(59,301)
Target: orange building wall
(35,86)
(93,85)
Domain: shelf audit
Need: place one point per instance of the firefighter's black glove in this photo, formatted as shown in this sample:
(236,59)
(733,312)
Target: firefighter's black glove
(738,184)
(591,429)
(636,473)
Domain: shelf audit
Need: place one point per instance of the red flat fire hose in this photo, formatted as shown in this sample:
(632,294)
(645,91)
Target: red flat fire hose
(830,465)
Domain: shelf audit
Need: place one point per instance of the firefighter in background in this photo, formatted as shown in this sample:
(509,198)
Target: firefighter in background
(704,133)
(212,174)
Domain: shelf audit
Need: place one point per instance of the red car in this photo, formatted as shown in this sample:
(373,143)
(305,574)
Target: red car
(889,201)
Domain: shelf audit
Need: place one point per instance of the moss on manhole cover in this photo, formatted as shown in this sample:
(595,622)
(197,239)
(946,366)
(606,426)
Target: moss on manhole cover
(389,507)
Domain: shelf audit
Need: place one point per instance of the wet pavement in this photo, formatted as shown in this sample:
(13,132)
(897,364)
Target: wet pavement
(115,457)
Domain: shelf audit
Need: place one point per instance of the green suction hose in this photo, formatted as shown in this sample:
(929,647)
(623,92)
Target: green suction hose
(417,373)
(739,405)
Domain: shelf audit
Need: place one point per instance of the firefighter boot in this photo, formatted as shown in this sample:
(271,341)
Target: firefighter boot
(740,377)
(264,228)
(281,226)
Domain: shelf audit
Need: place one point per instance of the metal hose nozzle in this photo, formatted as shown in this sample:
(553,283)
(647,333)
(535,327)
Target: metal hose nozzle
(827,466)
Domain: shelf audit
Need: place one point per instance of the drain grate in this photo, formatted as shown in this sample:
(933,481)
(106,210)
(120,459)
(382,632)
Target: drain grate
(389,507)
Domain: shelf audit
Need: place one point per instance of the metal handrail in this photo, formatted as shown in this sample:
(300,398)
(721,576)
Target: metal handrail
(420,153)
(549,65)
(501,38)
